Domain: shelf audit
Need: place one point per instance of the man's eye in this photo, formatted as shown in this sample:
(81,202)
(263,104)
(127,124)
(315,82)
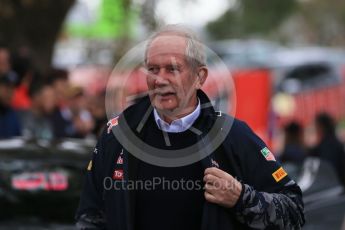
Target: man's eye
(173,70)
(153,70)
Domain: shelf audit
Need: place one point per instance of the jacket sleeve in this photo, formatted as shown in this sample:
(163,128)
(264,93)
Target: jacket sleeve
(269,198)
(90,213)
(263,210)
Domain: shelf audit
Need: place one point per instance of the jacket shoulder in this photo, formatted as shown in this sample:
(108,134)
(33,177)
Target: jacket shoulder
(240,132)
(238,128)
(130,117)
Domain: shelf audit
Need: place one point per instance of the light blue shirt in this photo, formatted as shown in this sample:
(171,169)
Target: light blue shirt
(178,125)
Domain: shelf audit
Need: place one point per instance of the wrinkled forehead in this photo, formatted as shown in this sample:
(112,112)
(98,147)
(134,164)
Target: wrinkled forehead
(168,45)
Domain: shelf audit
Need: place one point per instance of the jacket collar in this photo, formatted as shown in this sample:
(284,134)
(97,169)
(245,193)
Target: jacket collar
(134,114)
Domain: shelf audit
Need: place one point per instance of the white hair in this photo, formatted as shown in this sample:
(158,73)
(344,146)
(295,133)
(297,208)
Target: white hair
(195,53)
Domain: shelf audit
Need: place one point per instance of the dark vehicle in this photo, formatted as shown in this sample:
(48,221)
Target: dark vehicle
(40,182)
(308,81)
(323,195)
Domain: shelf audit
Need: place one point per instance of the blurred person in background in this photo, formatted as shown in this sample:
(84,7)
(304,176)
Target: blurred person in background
(22,66)
(6,64)
(96,106)
(294,150)
(71,118)
(62,117)
(9,121)
(328,146)
(82,118)
(5,60)
(36,122)
(60,82)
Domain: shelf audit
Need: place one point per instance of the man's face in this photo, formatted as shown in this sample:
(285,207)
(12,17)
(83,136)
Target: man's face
(61,87)
(171,81)
(46,100)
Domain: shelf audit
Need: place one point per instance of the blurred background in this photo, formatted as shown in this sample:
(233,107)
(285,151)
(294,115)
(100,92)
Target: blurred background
(287,65)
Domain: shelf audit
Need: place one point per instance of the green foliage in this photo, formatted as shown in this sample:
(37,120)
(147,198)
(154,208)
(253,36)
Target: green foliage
(115,20)
(251,17)
(324,21)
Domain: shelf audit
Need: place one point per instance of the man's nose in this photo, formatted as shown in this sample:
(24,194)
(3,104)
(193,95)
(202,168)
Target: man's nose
(161,78)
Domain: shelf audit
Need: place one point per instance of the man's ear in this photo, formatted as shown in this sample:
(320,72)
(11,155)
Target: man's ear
(202,76)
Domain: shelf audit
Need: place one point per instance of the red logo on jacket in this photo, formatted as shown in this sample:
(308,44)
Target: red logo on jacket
(113,122)
(119,160)
(118,174)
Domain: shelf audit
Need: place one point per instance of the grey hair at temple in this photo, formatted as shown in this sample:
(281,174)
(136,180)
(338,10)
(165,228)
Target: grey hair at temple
(195,53)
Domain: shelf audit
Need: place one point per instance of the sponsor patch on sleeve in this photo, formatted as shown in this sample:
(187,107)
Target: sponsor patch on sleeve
(279,174)
(89,167)
(112,123)
(268,154)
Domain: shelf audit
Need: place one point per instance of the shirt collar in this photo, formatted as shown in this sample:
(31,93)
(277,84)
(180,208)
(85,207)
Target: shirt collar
(178,125)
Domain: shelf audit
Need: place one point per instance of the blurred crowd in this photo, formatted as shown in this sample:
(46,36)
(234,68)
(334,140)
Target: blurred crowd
(46,106)
(326,146)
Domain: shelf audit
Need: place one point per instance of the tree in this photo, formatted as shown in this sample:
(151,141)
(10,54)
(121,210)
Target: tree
(249,17)
(323,21)
(35,24)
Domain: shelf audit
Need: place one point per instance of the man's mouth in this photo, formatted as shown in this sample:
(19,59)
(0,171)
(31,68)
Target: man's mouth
(166,94)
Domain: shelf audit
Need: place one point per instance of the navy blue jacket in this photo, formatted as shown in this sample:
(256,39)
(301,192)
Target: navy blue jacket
(269,198)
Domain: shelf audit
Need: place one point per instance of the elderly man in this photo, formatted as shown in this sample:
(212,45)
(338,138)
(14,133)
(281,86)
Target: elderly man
(236,184)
